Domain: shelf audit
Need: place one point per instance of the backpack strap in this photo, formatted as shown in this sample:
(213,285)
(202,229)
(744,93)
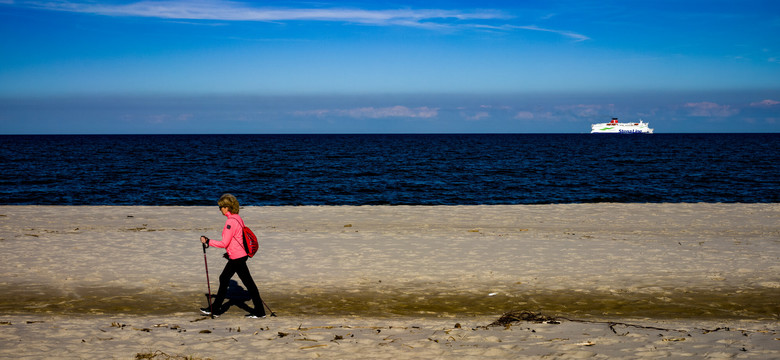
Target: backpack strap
(238,220)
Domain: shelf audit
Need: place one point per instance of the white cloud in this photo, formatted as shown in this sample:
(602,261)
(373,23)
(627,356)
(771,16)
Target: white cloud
(320,112)
(159,118)
(765,103)
(524,115)
(376,113)
(710,109)
(478,116)
(581,110)
(395,111)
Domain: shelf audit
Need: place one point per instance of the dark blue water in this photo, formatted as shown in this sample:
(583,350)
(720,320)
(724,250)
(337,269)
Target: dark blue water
(389,169)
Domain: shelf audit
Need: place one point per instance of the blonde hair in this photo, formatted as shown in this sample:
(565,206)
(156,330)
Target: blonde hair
(229,201)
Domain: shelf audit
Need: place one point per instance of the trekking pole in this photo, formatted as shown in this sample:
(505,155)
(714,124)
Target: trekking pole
(208,283)
(273,314)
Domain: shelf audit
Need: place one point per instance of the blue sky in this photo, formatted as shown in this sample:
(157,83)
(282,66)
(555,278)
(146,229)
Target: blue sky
(372,66)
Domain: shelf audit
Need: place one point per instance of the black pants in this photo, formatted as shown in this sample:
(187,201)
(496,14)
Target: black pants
(238,266)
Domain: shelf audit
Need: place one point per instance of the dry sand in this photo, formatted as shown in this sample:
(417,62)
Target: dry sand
(622,280)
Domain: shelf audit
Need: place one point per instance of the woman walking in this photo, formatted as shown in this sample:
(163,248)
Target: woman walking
(232,241)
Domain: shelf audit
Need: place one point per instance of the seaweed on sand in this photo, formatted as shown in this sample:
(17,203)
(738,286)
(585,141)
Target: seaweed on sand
(521,315)
(159,354)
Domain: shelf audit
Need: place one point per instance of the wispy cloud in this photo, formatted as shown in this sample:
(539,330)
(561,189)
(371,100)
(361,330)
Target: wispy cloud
(375,113)
(569,34)
(237,11)
(507,27)
(225,10)
(710,109)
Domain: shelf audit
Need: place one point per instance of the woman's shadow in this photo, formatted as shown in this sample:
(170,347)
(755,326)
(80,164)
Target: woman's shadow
(236,296)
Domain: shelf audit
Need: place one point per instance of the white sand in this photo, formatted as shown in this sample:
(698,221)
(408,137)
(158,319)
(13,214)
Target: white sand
(393,281)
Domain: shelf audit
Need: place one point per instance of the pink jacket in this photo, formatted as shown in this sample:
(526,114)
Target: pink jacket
(232,237)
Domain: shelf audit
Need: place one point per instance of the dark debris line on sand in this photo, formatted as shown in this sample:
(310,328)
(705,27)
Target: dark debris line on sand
(524,315)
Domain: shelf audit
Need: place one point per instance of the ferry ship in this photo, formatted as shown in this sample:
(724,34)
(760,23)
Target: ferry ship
(615,127)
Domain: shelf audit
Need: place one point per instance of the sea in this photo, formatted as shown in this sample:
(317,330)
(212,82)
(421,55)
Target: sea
(389,169)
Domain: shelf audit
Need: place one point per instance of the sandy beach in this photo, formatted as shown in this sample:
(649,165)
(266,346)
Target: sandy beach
(609,281)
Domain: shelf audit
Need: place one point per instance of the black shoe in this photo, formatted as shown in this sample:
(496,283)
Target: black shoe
(207,312)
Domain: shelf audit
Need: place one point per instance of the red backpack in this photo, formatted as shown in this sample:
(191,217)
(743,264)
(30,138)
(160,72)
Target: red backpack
(250,240)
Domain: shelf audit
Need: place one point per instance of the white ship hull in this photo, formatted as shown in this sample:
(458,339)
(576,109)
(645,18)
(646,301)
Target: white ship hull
(615,127)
